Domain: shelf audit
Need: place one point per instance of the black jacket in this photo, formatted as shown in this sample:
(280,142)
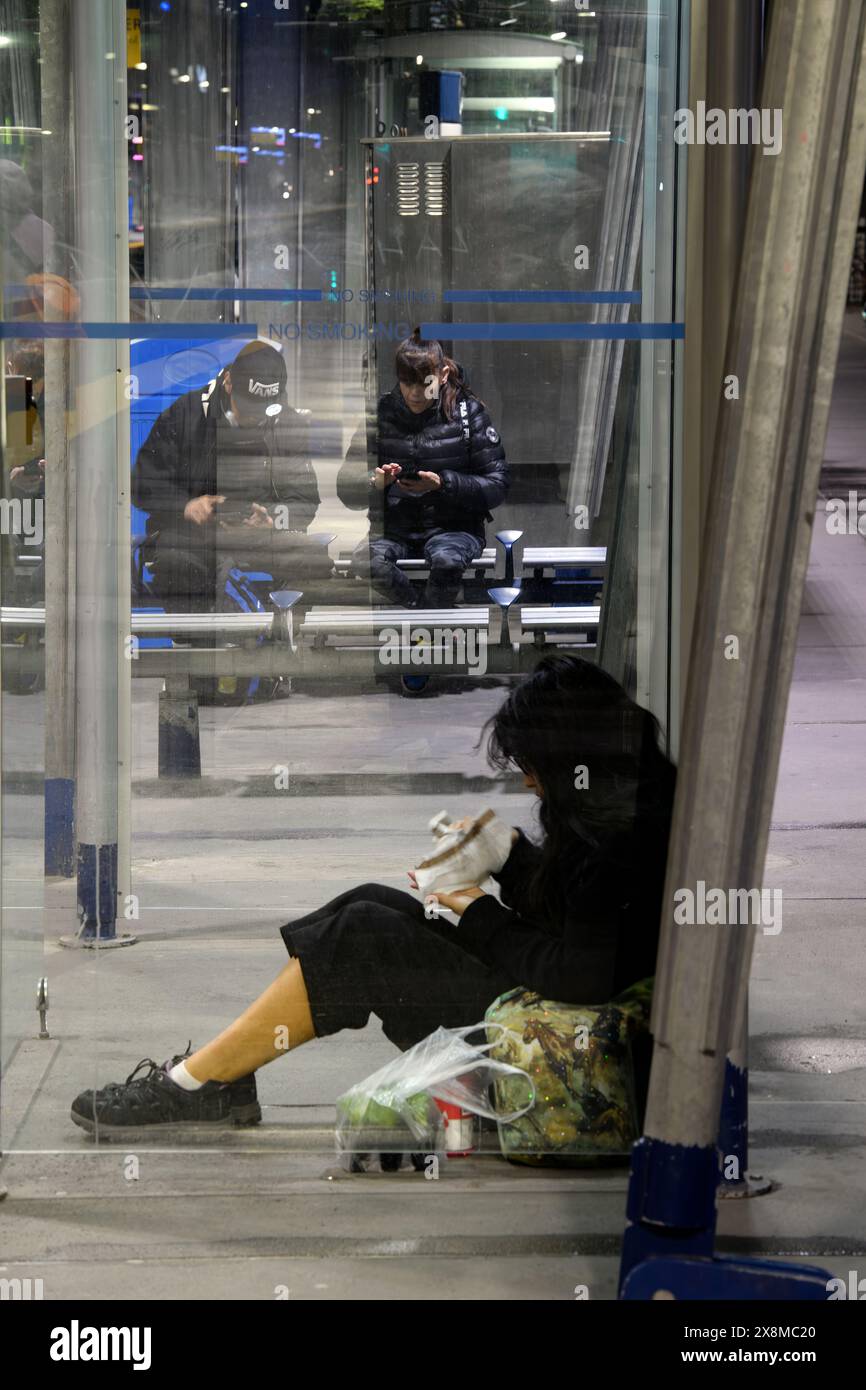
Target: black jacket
(466,452)
(193,451)
(608,937)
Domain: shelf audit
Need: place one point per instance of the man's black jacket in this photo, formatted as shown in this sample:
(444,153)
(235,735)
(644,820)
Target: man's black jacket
(188,454)
(466,452)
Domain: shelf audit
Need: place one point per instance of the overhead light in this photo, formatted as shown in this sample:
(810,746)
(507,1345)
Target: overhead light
(141,67)
(311,110)
(184,77)
(503,22)
(419,58)
(560,34)
(5,40)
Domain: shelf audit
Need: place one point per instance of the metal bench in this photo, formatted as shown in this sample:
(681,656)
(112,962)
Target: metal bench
(400,640)
(501,636)
(511,561)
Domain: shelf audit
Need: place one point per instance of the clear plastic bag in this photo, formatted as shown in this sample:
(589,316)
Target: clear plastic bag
(395,1110)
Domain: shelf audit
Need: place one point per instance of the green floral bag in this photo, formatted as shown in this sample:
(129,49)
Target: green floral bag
(579,1058)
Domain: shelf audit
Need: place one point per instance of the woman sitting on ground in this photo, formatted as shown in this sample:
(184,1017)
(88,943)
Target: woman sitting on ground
(578,922)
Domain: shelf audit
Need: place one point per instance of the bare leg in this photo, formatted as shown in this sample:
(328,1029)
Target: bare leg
(278,1021)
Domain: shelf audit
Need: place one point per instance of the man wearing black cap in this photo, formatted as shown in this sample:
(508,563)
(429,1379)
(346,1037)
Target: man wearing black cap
(226,478)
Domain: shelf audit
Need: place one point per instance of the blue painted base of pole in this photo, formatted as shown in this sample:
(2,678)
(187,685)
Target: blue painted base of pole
(671,1207)
(59,827)
(726,1278)
(734,1123)
(97,900)
(736,1180)
(97,892)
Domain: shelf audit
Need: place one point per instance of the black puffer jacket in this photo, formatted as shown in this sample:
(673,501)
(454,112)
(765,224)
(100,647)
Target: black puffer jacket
(191,449)
(466,452)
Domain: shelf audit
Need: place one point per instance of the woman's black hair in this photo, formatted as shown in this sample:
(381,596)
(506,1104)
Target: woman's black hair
(420,359)
(596,757)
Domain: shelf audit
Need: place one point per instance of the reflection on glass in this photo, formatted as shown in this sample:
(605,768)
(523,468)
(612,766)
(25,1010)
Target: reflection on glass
(395,376)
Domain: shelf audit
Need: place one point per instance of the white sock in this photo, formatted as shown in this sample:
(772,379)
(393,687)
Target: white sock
(181,1077)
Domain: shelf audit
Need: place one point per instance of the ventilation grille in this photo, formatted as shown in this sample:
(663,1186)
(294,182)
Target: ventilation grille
(435,189)
(408,190)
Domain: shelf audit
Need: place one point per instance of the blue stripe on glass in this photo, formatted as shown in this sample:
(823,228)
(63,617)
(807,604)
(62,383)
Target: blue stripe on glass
(178,292)
(128,330)
(529,332)
(541,296)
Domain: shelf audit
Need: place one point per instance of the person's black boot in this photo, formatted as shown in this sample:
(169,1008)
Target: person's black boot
(153,1103)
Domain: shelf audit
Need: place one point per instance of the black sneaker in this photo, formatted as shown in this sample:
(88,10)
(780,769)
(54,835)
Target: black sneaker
(153,1103)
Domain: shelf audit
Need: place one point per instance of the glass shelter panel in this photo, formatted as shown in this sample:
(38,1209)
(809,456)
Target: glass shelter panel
(236,682)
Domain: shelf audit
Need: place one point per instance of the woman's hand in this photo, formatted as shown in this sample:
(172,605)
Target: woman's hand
(387,474)
(468,821)
(459,901)
(454,902)
(424,482)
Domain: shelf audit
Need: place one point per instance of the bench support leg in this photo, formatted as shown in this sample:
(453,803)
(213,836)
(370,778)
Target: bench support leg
(179,746)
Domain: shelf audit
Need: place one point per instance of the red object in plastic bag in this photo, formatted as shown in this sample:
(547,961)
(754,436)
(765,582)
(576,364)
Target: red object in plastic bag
(459,1130)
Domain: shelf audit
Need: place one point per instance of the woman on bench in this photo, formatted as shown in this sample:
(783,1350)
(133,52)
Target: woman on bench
(578,921)
(430,469)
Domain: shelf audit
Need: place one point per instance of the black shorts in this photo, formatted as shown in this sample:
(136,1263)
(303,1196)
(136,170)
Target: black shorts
(372,951)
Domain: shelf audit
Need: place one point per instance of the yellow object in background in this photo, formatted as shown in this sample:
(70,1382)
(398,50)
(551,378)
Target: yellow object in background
(133,38)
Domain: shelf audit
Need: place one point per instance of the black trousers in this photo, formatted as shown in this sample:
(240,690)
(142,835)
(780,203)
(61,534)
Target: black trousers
(193,578)
(446,552)
(373,951)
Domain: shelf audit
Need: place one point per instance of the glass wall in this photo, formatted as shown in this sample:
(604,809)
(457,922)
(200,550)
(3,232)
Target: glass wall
(219,707)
